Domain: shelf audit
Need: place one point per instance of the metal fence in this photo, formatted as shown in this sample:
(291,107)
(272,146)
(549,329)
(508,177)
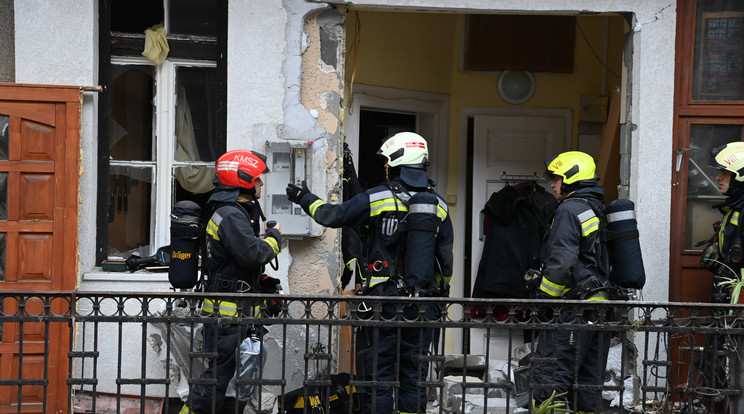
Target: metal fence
(145,350)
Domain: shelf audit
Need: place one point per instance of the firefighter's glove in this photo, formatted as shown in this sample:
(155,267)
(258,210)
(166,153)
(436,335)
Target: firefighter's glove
(710,258)
(532,279)
(271,285)
(544,311)
(295,193)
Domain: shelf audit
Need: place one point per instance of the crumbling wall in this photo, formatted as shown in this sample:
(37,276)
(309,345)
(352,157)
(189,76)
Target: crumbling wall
(317,261)
(7,42)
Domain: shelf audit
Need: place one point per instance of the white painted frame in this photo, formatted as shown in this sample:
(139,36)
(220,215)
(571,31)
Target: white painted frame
(164,142)
(431,111)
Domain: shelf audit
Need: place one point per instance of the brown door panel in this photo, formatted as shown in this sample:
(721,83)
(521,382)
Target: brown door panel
(43,113)
(38,236)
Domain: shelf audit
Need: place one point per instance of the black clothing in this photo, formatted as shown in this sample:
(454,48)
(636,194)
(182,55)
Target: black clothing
(515,221)
(351,239)
(588,347)
(234,250)
(570,251)
(729,235)
(236,257)
(571,256)
(415,177)
(381,210)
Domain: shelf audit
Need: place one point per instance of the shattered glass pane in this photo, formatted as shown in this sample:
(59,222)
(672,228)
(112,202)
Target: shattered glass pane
(194,17)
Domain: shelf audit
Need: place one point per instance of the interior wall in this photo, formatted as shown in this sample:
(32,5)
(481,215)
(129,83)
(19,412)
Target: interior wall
(423,52)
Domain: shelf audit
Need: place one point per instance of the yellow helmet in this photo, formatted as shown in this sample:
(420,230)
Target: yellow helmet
(573,166)
(730,157)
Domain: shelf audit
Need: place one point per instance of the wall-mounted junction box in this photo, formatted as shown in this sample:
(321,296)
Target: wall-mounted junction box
(289,163)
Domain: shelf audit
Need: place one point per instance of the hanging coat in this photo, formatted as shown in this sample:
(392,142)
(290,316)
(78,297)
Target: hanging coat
(515,220)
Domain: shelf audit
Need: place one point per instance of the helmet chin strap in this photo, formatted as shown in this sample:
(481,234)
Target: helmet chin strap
(735,186)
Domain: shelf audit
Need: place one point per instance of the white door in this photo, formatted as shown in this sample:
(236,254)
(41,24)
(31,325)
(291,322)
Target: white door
(512,148)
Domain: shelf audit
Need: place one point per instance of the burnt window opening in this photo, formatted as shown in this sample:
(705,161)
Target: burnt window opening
(157,120)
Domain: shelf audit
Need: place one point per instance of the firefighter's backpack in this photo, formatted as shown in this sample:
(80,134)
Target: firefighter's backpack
(186,236)
(619,232)
(421,225)
(623,245)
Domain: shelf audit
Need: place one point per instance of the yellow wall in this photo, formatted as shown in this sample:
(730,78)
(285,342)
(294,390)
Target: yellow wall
(423,52)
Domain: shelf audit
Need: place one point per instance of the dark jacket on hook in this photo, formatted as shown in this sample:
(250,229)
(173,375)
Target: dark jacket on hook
(515,220)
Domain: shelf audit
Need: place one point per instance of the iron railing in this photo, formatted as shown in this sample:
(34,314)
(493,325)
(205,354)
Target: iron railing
(144,350)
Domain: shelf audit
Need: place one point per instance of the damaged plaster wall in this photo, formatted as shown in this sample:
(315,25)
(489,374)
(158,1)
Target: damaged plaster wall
(285,74)
(7,42)
(320,94)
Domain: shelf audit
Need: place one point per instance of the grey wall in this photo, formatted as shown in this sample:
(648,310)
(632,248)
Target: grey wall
(7,42)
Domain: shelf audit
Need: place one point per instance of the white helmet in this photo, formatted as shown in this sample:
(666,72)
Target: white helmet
(730,157)
(405,148)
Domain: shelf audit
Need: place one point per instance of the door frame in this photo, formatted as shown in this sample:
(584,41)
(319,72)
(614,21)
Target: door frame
(431,111)
(465,169)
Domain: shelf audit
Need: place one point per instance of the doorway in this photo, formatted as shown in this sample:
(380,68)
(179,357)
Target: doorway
(374,127)
(505,146)
(379,112)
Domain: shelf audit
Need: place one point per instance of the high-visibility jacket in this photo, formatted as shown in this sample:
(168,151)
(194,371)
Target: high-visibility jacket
(380,210)
(730,233)
(570,252)
(236,255)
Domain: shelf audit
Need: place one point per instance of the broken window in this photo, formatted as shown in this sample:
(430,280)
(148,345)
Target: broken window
(164,123)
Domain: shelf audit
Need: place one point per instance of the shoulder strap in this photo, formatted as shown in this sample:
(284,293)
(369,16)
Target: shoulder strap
(602,253)
(203,267)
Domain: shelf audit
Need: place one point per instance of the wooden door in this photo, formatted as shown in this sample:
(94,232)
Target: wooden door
(39,152)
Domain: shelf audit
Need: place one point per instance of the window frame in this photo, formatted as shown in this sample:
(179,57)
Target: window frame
(164,141)
(126,48)
(683,263)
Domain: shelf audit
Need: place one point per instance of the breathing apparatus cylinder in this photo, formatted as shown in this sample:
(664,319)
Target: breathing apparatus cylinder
(185,229)
(623,244)
(421,226)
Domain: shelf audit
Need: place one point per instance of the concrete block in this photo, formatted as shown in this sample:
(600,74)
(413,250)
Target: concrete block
(477,404)
(470,361)
(453,387)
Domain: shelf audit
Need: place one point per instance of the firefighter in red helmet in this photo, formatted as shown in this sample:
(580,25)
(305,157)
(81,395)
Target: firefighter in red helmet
(237,253)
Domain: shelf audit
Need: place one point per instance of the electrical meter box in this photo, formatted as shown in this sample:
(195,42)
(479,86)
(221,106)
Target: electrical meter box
(288,163)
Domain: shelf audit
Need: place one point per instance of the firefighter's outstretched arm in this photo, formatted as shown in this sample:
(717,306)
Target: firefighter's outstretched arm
(350,213)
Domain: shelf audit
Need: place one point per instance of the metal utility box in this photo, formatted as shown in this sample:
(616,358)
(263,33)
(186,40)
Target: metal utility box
(289,163)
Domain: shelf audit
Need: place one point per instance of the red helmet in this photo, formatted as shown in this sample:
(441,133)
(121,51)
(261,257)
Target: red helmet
(240,168)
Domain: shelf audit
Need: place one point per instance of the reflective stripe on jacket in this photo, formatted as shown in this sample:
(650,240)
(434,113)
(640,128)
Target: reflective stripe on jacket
(570,249)
(381,211)
(234,251)
(226,308)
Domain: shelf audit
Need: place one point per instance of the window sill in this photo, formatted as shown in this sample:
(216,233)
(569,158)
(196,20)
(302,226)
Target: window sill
(138,276)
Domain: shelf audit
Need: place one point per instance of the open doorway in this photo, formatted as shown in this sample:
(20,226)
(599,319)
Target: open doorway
(374,127)
(415,63)
(377,112)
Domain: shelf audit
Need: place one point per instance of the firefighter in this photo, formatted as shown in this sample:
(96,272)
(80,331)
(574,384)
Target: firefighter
(573,269)
(729,160)
(236,257)
(387,266)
